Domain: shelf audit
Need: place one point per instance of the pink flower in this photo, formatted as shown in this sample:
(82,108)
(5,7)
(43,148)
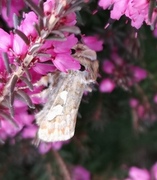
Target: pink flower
(155,98)
(43,68)
(139,174)
(137,11)
(19,46)
(27,25)
(5,41)
(133,102)
(105,3)
(93,43)
(29,131)
(108,67)
(45,147)
(155,32)
(15,7)
(80,173)
(65,46)
(70,19)
(65,62)
(154,171)
(119,9)
(49,6)
(138,73)
(107,85)
(141,111)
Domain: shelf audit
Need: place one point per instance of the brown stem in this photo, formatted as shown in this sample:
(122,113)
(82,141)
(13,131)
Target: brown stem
(62,166)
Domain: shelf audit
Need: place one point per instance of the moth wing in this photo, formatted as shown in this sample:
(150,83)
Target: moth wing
(61,128)
(56,83)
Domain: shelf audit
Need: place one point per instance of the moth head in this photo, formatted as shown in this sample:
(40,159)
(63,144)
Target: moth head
(88,60)
(81,50)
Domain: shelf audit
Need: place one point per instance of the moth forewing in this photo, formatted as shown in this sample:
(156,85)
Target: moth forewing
(57,119)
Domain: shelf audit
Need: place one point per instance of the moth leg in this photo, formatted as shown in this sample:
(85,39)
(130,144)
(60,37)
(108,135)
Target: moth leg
(36,141)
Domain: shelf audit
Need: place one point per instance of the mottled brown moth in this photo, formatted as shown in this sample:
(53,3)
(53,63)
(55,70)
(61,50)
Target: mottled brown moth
(57,119)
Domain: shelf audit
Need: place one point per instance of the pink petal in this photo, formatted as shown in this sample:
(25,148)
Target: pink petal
(65,62)
(107,86)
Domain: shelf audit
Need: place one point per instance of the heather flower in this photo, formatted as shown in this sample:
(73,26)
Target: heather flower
(49,6)
(107,85)
(137,173)
(119,9)
(133,102)
(136,10)
(65,62)
(29,131)
(5,40)
(138,73)
(27,25)
(43,68)
(65,46)
(15,7)
(93,42)
(108,67)
(155,98)
(153,172)
(11,128)
(120,73)
(19,46)
(80,173)
(45,147)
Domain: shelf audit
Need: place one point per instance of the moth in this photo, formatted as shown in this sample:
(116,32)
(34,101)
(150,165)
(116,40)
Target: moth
(57,119)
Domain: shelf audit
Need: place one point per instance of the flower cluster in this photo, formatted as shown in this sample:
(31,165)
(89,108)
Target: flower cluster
(136,173)
(120,73)
(137,11)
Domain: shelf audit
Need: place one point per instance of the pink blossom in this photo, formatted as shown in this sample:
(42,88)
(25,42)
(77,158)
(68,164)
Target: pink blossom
(155,98)
(29,131)
(107,85)
(108,67)
(65,46)
(49,6)
(141,111)
(43,68)
(105,3)
(15,7)
(9,128)
(155,32)
(93,42)
(27,25)
(21,118)
(133,102)
(80,173)
(19,46)
(137,174)
(45,147)
(65,62)
(138,73)
(70,19)
(5,41)
(154,171)
(137,12)
(119,9)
